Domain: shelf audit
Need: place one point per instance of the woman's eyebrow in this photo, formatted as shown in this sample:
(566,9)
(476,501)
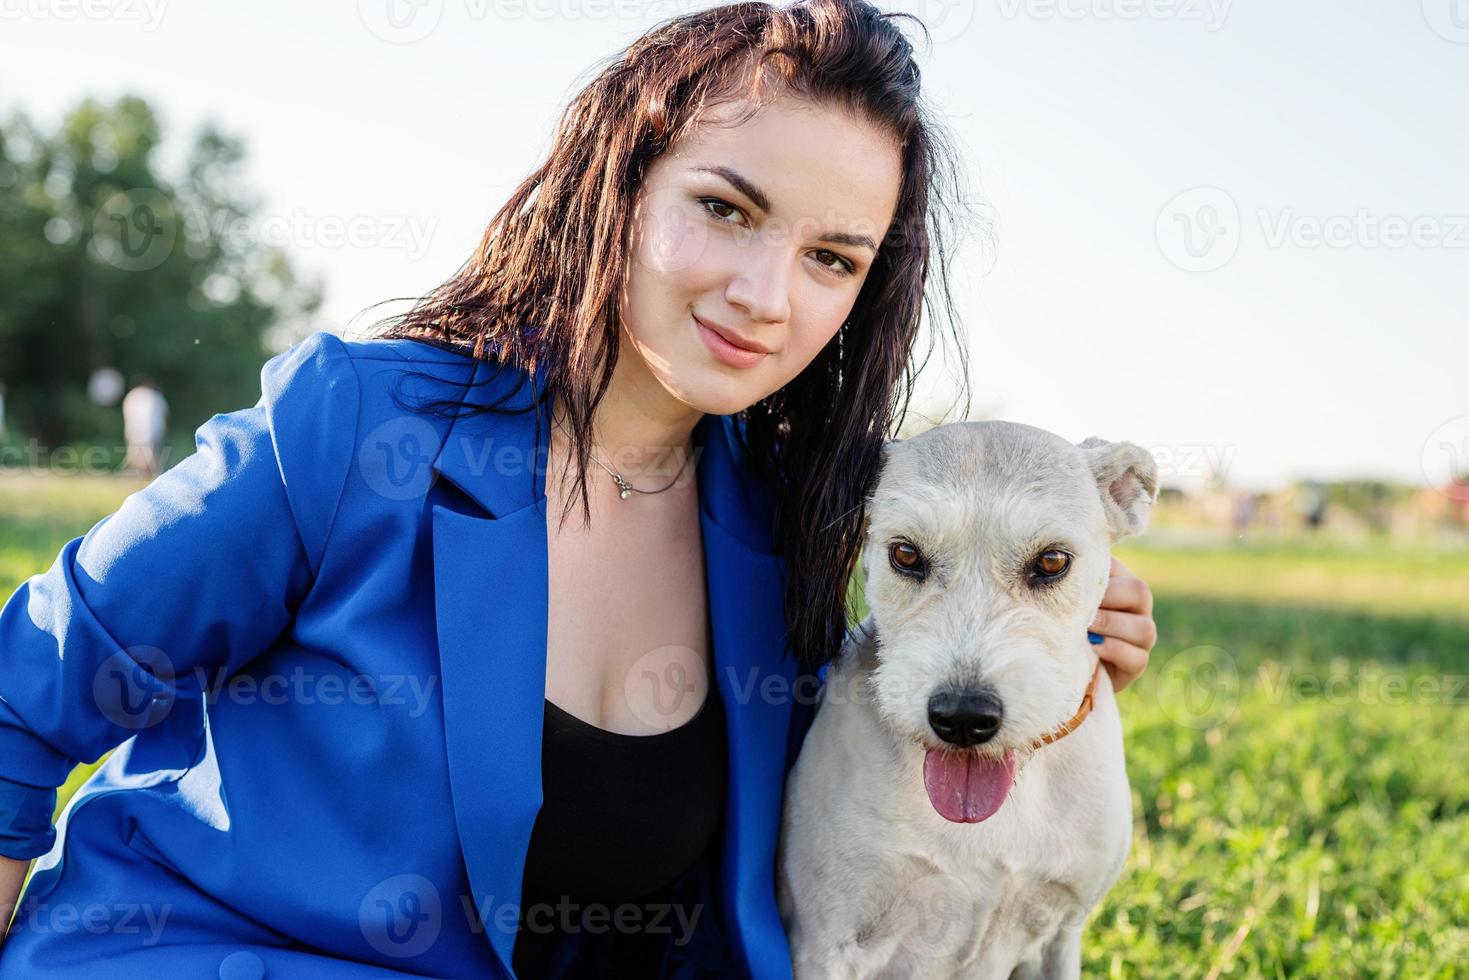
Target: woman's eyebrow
(747,188)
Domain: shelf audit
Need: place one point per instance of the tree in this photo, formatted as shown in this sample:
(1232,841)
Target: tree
(105,261)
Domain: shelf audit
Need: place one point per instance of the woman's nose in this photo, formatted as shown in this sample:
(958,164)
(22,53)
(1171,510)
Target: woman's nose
(761,284)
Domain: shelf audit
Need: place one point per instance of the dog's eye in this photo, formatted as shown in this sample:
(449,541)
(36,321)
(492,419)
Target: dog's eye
(905,558)
(1052,564)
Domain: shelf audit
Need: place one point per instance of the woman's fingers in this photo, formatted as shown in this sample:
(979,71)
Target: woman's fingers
(1132,628)
(1127,592)
(1124,662)
(1125,624)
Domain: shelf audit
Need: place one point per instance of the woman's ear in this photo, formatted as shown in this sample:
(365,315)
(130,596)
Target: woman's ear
(1127,479)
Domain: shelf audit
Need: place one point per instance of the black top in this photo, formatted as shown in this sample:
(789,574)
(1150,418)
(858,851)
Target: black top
(622,818)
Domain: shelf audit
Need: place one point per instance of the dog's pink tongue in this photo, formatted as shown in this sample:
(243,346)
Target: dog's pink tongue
(964,787)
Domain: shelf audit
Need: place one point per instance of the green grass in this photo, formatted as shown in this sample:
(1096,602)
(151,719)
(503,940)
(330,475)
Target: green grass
(1296,750)
(39,514)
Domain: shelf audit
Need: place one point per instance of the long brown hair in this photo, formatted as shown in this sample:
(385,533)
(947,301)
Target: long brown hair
(543,285)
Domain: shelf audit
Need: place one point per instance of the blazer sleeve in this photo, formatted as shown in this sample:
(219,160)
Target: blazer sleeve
(203,568)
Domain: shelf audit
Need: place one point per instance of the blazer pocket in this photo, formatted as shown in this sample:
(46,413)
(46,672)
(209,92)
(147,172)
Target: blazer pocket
(139,842)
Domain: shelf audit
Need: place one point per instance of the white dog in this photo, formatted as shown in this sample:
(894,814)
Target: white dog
(961,803)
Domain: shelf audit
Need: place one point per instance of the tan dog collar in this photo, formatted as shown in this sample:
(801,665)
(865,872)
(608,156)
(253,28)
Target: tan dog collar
(1087,700)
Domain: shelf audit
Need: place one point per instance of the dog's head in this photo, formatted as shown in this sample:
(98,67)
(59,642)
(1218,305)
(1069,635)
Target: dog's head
(986,556)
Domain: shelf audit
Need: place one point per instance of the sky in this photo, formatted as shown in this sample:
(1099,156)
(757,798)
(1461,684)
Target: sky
(1235,232)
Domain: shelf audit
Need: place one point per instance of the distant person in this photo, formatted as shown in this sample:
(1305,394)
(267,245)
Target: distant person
(144,419)
(1244,513)
(1311,505)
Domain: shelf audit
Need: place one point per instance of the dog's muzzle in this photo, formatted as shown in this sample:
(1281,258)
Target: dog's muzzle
(965,718)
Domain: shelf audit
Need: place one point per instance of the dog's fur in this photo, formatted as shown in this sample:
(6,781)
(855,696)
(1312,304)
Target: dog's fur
(872,880)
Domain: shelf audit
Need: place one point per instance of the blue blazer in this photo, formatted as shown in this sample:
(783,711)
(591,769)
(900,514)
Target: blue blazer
(318,646)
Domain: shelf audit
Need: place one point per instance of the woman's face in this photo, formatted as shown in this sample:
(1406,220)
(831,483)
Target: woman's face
(764,232)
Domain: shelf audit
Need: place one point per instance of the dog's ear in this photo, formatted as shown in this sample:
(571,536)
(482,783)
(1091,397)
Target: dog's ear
(1127,478)
(886,454)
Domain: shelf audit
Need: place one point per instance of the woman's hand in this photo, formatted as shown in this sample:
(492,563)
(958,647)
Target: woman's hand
(1125,624)
(12,876)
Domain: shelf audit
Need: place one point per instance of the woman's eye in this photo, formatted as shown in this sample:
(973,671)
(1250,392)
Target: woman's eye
(905,558)
(1052,564)
(710,203)
(842,267)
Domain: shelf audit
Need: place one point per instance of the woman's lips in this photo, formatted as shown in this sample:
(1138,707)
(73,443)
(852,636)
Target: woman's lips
(726,352)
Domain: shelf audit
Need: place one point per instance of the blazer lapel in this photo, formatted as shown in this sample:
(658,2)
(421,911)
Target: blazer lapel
(491,602)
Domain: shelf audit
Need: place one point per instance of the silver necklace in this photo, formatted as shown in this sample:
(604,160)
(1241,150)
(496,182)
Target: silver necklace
(624,488)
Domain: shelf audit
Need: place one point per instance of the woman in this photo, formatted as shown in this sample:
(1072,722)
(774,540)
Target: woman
(380,716)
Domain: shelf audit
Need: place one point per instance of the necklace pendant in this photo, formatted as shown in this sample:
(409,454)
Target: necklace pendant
(625,493)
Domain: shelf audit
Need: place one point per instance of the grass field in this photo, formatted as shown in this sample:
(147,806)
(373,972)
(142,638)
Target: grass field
(1297,751)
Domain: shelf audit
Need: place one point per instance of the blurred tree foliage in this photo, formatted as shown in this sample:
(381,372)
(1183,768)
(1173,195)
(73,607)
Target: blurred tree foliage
(106,261)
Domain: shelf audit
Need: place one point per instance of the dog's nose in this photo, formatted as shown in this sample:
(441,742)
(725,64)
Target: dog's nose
(965,718)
